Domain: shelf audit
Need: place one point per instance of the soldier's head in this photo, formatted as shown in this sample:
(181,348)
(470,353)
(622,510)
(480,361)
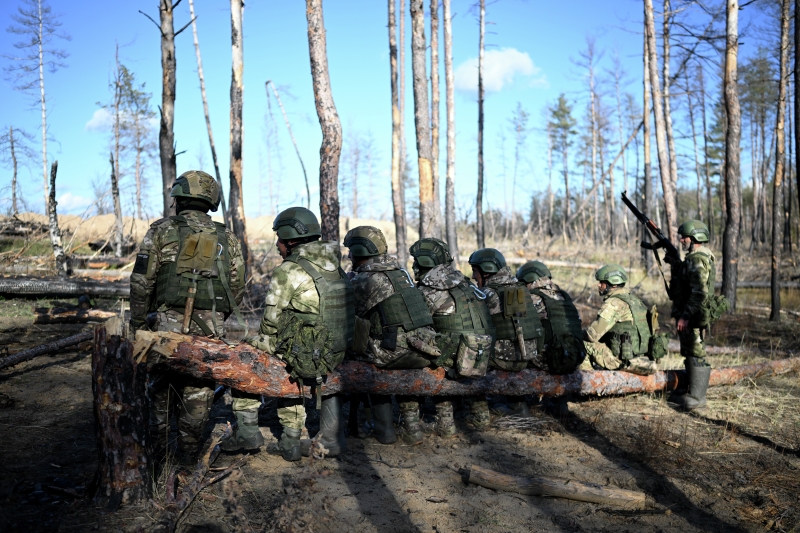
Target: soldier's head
(364,242)
(428,253)
(195,190)
(485,263)
(533,271)
(692,232)
(295,226)
(610,277)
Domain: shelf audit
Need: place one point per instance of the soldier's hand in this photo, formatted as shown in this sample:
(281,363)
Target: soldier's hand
(683,325)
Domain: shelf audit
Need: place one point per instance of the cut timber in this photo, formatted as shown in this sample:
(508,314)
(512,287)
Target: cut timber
(71,316)
(121,420)
(247,369)
(43,349)
(560,488)
(57,288)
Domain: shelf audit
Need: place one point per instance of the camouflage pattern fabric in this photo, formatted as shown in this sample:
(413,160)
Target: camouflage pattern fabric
(692,345)
(690,291)
(612,311)
(435,286)
(599,356)
(549,288)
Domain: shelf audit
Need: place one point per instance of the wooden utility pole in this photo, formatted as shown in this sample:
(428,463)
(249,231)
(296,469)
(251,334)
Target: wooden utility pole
(733,135)
(777,183)
(206,113)
(450,104)
(331,148)
(398,205)
(236,207)
(480,230)
(422,123)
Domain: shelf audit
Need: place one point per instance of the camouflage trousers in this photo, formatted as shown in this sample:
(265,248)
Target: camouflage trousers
(292,413)
(692,344)
(599,355)
(190,398)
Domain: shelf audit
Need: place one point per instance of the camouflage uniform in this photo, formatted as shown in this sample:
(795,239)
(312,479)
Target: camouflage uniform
(547,286)
(691,286)
(435,286)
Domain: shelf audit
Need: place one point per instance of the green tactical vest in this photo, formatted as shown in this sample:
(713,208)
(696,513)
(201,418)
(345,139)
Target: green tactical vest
(530,322)
(405,308)
(172,288)
(471,316)
(639,329)
(562,317)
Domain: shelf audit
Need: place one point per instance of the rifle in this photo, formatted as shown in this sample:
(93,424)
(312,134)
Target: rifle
(662,241)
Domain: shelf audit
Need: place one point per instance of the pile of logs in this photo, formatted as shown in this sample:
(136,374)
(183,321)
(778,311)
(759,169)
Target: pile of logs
(12,228)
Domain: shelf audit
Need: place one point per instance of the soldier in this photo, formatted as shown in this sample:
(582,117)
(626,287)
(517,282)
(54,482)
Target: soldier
(520,334)
(183,255)
(462,320)
(308,322)
(691,287)
(393,328)
(563,345)
(619,337)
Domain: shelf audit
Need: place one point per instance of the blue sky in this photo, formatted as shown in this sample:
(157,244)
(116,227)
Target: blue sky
(530,45)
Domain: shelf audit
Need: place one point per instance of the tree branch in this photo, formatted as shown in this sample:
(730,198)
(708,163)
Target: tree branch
(153,21)
(186,26)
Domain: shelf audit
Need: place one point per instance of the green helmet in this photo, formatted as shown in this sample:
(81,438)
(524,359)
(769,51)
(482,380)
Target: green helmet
(197,184)
(488,260)
(612,274)
(430,252)
(695,229)
(296,223)
(365,241)
(533,270)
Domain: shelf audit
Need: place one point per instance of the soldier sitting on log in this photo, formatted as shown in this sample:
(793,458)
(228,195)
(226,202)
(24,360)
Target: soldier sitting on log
(308,322)
(393,329)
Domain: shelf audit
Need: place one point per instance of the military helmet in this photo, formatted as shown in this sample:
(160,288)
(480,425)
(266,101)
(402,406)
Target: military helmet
(296,223)
(365,241)
(430,252)
(488,260)
(533,270)
(197,184)
(612,274)
(695,229)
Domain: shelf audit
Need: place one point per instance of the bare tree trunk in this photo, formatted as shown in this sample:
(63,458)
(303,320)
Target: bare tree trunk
(138,166)
(480,230)
(437,205)
(331,147)
(450,204)
(673,158)
(567,214)
(797,95)
(593,125)
(237,103)
(777,185)
(14,209)
(617,76)
(427,218)
(696,154)
(115,173)
(166,133)
(63,267)
(709,203)
(670,205)
(40,38)
(291,136)
(398,202)
(730,244)
(648,177)
(401,102)
(206,113)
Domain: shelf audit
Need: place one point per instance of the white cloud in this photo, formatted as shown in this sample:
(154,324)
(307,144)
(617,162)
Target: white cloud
(100,121)
(500,68)
(68,203)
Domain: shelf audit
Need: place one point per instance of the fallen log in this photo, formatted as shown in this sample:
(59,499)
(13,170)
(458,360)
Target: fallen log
(559,488)
(250,370)
(57,288)
(71,316)
(43,349)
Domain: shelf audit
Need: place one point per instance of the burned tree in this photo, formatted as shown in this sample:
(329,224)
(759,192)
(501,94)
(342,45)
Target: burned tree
(236,208)
(14,149)
(449,194)
(63,267)
(398,198)
(480,230)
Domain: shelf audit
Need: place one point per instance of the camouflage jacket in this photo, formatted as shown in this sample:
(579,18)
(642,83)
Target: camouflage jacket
(160,246)
(690,288)
(508,349)
(294,290)
(612,311)
(435,286)
(549,288)
(502,277)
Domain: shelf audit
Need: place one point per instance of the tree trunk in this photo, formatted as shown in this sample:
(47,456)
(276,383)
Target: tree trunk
(331,147)
(422,122)
(63,267)
(449,200)
(707,169)
(797,97)
(673,158)
(40,37)
(730,244)
(437,205)
(166,133)
(44,349)
(398,203)
(401,103)
(207,115)
(118,226)
(138,168)
(14,209)
(696,153)
(670,205)
(648,198)
(777,183)
(291,136)
(617,81)
(480,230)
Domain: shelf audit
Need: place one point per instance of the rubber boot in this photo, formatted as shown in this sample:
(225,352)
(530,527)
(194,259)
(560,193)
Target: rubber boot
(409,415)
(445,425)
(675,395)
(331,429)
(246,436)
(289,445)
(383,419)
(698,385)
(514,406)
(479,416)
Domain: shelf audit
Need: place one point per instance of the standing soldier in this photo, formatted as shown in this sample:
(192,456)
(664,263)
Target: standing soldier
(393,327)
(691,290)
(520,334)
(308,322)
(188,277)
(462,320)
(619,338)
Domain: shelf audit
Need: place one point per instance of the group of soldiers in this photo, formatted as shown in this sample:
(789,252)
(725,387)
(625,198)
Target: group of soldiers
(189,277)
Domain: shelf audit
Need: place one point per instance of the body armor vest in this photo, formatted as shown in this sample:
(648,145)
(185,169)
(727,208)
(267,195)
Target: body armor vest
(212,294)
(405,308)
(638,330)
(680,291)
(471,316)
(504,322)
(562,317)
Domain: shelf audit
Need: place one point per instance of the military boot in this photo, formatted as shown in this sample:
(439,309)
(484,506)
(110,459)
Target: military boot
(409,415)
(479,416)
(289,445)
(246,435)
(383,419)
(331,429)
(445,425)
(698,375)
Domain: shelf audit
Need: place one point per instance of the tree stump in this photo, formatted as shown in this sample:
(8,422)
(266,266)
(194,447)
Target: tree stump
(121,419)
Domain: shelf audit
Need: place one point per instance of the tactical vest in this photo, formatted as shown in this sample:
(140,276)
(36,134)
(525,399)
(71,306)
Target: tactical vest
(406,308)
(213,293)
(504,322)
(638,330)
(681,291)
(562,316)
(471,316)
